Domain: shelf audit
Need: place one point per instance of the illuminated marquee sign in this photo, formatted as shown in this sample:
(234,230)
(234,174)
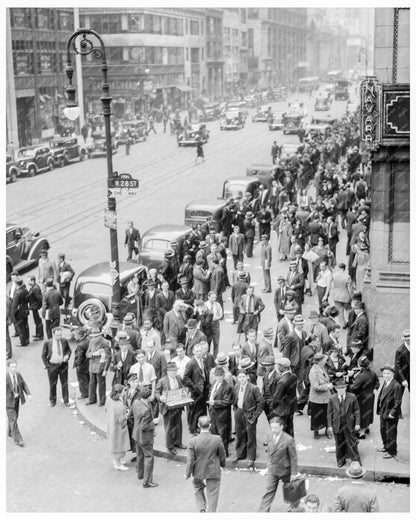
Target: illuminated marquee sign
(370,120)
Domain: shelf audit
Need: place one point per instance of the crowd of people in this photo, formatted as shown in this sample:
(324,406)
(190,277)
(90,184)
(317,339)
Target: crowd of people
(306,365)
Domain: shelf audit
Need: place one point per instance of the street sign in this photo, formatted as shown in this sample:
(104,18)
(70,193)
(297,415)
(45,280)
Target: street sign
(124,180)
(121,192)
(110,219)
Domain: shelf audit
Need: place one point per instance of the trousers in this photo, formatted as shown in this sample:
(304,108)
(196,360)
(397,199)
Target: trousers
(245,441)
(22,325)
(83,378)
(213,493)
(55,371)
(12,416)
(346,445)
(172,421)
(196,409)
(145,462)
(38,324)
(271,488)
(388,431)
(267,280)
(96,380)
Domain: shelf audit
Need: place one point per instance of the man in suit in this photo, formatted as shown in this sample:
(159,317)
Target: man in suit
(332,235)
(250,348)
(402,362)
(158,361)
(235,358)
(164,301)
(172,417)
(20,312)
(282,461)
(16,388)
(266,262)
(65,276)
(174,325)
(132,241)
(344,420)
(206,457)
(284,398)
(35,304)
(356,497)
(143,434)
(359,327)
(51,312)
(169,269)
(280,297)
(193,336)
(264,218)
(236,245)
(55,355)
(217,281)
(270,379)
(47,269)
(122,359)
(296,282)
(284,327)
(248,405)
(314,328)
(251,307)
(249,233)
(294,344)
(81,362)
(389,409)
(196,379)
(238,289)
(219,404)
(201,278)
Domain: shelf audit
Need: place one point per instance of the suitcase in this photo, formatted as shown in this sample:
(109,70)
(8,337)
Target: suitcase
(294,490)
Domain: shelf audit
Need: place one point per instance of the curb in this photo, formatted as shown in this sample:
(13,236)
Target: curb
(325,471)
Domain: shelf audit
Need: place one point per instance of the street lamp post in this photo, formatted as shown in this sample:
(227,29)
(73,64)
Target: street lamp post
(91,43)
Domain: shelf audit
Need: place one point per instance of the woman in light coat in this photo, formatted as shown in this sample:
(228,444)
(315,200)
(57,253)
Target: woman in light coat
(341,292)
(319,395)
(284,232)
(117,431)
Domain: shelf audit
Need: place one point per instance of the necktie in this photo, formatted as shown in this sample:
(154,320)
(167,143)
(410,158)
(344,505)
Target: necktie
(15,387)
(141,374)
(201,364)
(59,348)
(275,438)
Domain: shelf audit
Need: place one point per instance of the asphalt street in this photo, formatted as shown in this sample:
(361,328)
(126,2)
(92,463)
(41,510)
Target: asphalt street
(64,467)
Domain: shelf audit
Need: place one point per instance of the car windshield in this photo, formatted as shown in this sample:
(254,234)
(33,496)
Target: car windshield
(56,144)
(26,152)
(157,244)
(97,289)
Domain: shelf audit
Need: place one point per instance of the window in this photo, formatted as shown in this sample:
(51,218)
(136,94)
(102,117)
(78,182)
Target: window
(187,54)
(20,18)
(136,23)
(195,55)
(175,56)
(157,24)
(66,21)
(253,13)
(194,27)
(250,41)
(97,289)
(115,54)
(157,245)
(153,55)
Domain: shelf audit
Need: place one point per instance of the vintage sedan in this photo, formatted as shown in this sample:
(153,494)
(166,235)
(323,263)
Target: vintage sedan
(12,169)
(99,146)
(288,150)
(35,159)
(265,173)
(292,123)
(191,136)
(261,114)
(205,210)
(94,287)
(210,112)
(157,240)
(236,187)
(136,129)
(322,103)
(232,120)
(326,119)
(276,122)
(22,248)
(67,149)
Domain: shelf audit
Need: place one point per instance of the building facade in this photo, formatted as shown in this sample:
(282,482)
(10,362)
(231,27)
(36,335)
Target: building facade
(235,50)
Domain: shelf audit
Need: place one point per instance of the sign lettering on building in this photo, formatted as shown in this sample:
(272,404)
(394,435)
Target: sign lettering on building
(370,117)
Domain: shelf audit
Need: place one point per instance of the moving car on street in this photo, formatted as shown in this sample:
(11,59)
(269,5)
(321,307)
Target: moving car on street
(292,122)
(191,136)
(135,129)
(232,120)
(66,149)
(12,169)
(94,287)
(211,112)
(322,103)
(99,148)
(276,122)
(22,248)
(205,210)
(261,115)
(157,240)
(35,159)
(341,90)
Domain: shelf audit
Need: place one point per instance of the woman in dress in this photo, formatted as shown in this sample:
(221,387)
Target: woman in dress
(284,233)
(364,384)
(319,394)
(117,431)
(311,257)
(361,258)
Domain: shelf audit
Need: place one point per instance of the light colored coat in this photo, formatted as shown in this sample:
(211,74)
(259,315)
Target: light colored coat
(319,379)
(117,431)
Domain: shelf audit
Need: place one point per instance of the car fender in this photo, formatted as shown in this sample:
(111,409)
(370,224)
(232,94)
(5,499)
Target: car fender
(37,246)
(83,309)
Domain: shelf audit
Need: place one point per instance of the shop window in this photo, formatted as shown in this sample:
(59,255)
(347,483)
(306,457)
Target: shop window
(115,54)
(195,55)
(136,23)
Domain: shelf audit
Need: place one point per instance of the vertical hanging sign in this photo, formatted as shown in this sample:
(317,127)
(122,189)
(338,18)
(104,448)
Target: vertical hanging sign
(370,113)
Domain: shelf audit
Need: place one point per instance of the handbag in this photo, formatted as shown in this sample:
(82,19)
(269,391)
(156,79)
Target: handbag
(294,490)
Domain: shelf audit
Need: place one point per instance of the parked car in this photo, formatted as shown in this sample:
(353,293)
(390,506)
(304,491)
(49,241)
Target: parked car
(280,93)
(99,148)
(22,248)
(326,119)
(292,122)
(157,240)
(276,122)
(236,187)
(261,115)
(265,173)
(136,129)
(287,150)
(35,159)
(12,169)
(241,106)
(210,112)
(232,120)
(341,90)
(322,103)
(317,128)
(94,287)
(66,149)
(204,210)
(190,136)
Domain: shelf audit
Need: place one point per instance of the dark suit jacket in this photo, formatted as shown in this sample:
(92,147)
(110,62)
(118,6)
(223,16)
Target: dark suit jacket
(233,364)
(279,300)
(209,361)
(352,412)
(163,385)
(52,300)
(121,374)
(22,389)
(389,400)
(296,284)
(143,429)
(237,291)
(246,351)
(253,402)
(174,326)
(159,364)
(47,351)
(35,297)
(293,347)
(164,304)
(359,329)
(223,399)
(284,400)
(132,237)
(402,364)
(282,458)
(206,456)
(20,307)
(61,269)
(190,342)
(81,362)
(194,380)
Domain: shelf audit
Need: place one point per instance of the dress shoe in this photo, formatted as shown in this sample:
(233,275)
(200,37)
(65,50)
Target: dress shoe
(381,450)
(341,463)
(15,336)
(25,345)
(367,430)
(329,434)
(140,477)
(21,444)
(67,404)
(101,404)
(35,338)
(250,464)
(235,460)
(88,404)
(51,405)
(388,456)
(150,485)
(316,435)
(361,436)
(83,397)
(121,467)
(172,451)
(202,511)
(299,412)
(134,459)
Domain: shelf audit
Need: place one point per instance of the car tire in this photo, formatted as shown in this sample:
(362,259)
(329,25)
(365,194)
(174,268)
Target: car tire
(61,162)
(13,176)
(82,156)
(51,165)
(85,307)
(31,172)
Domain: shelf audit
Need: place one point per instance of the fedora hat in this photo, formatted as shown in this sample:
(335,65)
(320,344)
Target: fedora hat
(340,383)
(202,243)
(245,363)
(298,319)
(171,366)
(128,318)
(332,311)
(388,367)
(313,314)
(318,357)
(221,359)
(191,324)
(268,361)
(219,371)
(364,362)
(281,279)
(268,333)
(355,470)
(169,253)
(283,362)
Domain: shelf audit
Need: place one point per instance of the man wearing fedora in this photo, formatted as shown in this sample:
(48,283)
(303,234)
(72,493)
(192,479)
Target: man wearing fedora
(122,359)
(359,328)
(248,405)
(55,355)
(294,344)
(219,406)
(249,233)
(284,400)
(132,241)
(266,262)
(280,297)
(193,336)
(150,310)
(201,278)
(389,409)
(236,244)
(356,497)
(315,328)
(238,289)
(284,327)
(99,354)
(172,417)
(402,362)
(196,379)
(174,325)
(296,282)
(270,379)
(164,300)
(344,422)
(169,269)
(131,330)
(222,361)
(251,307)
(265,349)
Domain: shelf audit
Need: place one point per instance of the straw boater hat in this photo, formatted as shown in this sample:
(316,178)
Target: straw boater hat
(298,319)
(388,367)
(245,363)
(406,334)
(268,333)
